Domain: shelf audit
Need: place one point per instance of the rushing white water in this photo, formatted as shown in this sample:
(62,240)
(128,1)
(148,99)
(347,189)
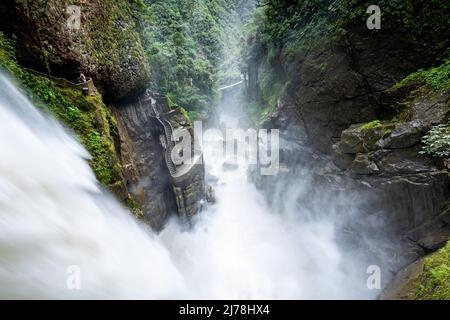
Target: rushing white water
(53,216)
(241,249)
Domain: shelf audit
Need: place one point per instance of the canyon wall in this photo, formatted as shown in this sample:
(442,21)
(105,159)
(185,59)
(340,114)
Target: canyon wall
(335,90)
(47,44)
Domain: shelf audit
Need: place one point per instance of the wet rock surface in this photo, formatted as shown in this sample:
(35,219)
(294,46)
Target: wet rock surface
(143,161)
(363,164)
(143,146)
(104,45)
(403,286)
(329,126)
(364,138)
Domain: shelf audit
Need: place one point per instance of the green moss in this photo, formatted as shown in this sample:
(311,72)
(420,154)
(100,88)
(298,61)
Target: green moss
(372,125)
(107,47)
(434,283)
(298,25)
(272,91)
(7,56)
(428,83)
(186,115)
(88,117)
(185,41)
(436,79)
(405,113)
(386,126)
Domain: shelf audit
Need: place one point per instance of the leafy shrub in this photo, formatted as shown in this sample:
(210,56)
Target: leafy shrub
(437,142)
(185,41)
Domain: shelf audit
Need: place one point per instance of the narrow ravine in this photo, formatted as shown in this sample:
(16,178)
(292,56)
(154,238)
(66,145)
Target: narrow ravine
(55,218)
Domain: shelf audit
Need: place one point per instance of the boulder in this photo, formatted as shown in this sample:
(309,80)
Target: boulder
(433,234)
(363,164)
(404,135)
(424,279)
(436,239)
(104,45)
(341,159)
(364,137)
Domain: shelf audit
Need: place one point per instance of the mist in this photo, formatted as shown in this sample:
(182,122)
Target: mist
(54,216)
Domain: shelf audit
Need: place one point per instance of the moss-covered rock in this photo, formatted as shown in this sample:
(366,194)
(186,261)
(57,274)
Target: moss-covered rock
(365,137)
(87,116)
(192,46)
(434,282)
(435,79)
(404,135)
(106,45)
(425,279)
(363,164)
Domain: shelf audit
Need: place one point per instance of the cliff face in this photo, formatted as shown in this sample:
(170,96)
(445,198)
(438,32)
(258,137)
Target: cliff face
(341,113)
(160,187)
(142,157)
(97,38)
(86,115)
(125,144)
(336,110)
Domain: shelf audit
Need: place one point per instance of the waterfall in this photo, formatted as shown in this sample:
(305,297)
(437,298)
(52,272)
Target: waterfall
(54,216)
(56,223)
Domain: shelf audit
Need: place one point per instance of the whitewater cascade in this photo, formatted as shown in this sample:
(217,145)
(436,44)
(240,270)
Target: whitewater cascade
(54,219)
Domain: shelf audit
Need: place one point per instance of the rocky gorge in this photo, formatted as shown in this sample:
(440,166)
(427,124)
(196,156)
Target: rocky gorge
(344,101)
(106,46)
(355,108)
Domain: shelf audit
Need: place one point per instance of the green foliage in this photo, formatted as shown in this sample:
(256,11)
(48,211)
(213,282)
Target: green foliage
(437,142)
(302,23)
(7,56)
(78,112)
(256,111)
(434,283)
(281,30)
(295,21)
(436,79)
(372,125)
(185,41)
(261,110)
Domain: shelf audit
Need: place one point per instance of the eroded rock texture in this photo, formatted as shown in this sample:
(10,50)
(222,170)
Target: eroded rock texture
(142,144)
(329,120)
(143,159)
(105,47)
